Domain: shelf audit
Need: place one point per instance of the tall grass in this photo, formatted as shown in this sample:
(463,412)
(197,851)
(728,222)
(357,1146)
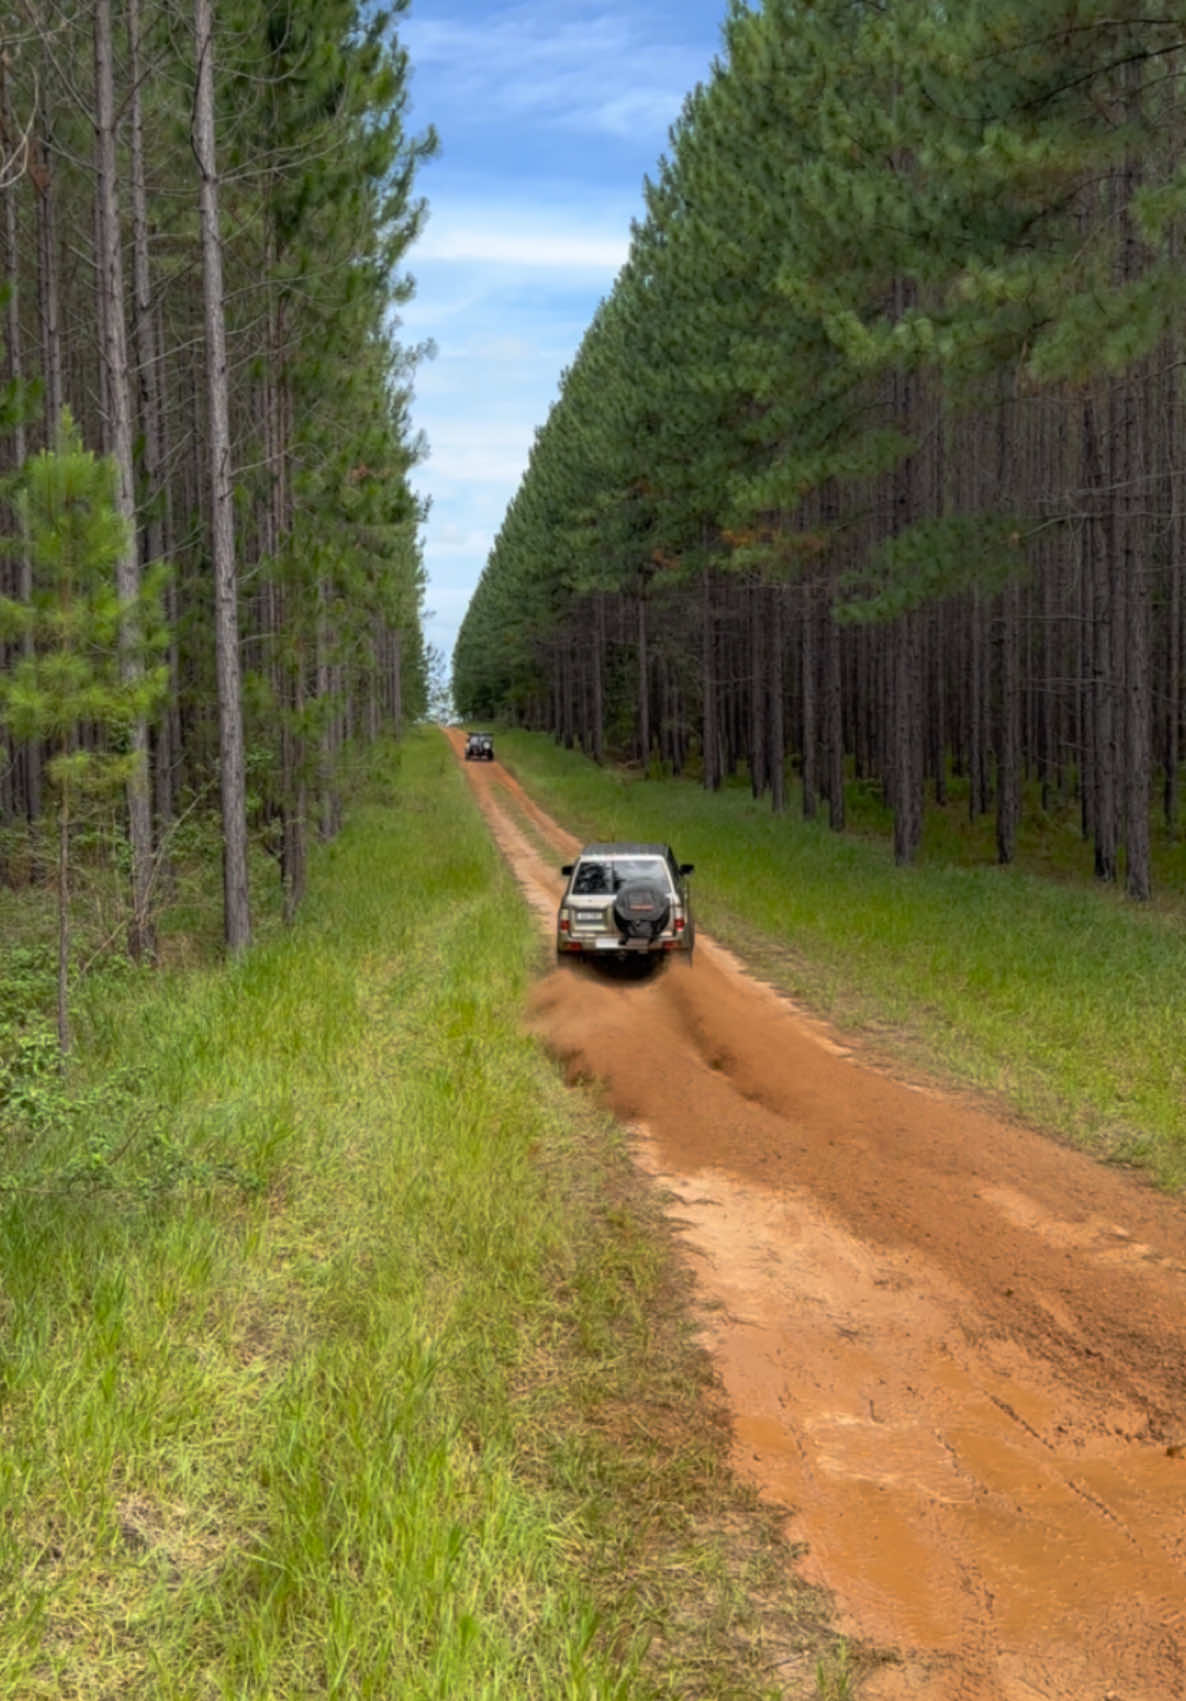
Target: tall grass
(360,1365)
(1062,1000)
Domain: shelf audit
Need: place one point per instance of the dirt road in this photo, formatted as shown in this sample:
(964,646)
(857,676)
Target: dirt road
(955,1350)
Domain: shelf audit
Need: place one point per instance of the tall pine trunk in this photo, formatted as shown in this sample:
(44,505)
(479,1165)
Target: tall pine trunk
(710,725)
(597,747)
(778,781)
(1138,701)
(644,686)
(1134,561)
(1097,569)
(1009,744)
(141,933)
(757,689)
(28,756)
(807,698)
(152,451)
(1173,683)
(232,776)
(63,975)
(906,740)
(834,724)
(48,290)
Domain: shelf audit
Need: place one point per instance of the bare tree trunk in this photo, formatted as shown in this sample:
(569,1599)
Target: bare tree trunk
(397,682)
(644,686)
(597,748)
(1133,559)
(64,919)
(1051,697)
(977,756)
(1084,667)
(325,754)
(907,752)
(1008,749)
(568,706)
(834,725)
(1138,747)
(295,796)
(757,689)
(29,755)
(1174,669)
(141,936)
(937,719)
(236,905)
(1098,573)
(1139,753)
(144,337)
(48,295)
(372,715)
(777,761)
(807,698)
(710,728)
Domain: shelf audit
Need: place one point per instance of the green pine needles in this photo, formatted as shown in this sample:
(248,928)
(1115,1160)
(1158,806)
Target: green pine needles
(70,688)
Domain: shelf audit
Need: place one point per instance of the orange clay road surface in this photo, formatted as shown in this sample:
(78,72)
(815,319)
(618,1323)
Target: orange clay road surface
(953,1349)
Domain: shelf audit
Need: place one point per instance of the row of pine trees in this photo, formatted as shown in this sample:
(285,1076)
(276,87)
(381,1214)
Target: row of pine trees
(874,459)
(210,575)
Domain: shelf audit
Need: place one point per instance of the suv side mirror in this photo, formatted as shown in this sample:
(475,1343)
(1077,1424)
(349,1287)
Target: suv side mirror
(568,868)
(687,868)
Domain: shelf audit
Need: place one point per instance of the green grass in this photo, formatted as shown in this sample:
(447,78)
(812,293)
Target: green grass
(343,1352)
(1060,1000)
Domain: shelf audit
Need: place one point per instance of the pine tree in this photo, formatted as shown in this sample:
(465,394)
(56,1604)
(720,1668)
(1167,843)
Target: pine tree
(74,675)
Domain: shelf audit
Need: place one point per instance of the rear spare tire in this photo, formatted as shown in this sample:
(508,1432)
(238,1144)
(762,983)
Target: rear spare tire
(641,909)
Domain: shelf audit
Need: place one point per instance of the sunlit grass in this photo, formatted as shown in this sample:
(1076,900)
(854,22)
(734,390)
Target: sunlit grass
(366,1368)
(1061,999)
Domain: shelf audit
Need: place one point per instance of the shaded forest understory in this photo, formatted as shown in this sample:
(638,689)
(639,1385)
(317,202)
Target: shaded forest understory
(874,458)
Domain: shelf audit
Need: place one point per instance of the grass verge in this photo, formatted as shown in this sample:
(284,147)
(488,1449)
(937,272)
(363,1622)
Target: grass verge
(1060,1001)
(342,1351)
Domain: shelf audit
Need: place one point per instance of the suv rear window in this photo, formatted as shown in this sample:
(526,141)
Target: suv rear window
(597,879)
(592,879)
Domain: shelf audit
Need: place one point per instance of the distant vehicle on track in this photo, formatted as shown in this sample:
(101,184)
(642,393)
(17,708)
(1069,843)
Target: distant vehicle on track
(624,900)
(479,747)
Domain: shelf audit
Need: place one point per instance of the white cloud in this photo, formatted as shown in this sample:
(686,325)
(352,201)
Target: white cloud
(485,451)
(499,245)
(544,226)
(454,540)
(646,108)
(501,350)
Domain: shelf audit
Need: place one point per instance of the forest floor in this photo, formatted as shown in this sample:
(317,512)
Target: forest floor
(954,1350)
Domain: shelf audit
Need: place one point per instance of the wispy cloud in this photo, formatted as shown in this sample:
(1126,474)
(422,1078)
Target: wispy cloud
(458,540)
(575,67)
(498,245)
(491,450)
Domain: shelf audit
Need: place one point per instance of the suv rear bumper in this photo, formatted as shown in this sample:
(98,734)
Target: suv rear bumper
(607,946)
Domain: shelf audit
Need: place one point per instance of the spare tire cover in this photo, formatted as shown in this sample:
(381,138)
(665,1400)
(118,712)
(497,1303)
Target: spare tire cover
(641,908)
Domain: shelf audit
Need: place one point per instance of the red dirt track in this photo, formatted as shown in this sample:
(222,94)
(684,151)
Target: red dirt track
(955,1350)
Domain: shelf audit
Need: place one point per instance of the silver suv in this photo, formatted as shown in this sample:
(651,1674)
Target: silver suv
(625,899)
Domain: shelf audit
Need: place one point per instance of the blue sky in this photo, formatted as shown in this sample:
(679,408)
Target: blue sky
(549,115)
